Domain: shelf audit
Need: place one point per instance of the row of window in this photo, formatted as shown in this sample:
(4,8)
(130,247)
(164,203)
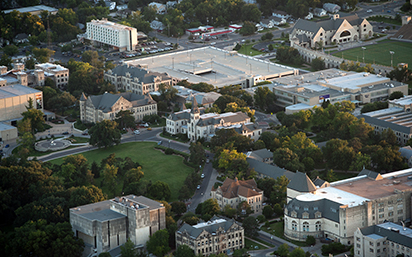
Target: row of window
(305,226)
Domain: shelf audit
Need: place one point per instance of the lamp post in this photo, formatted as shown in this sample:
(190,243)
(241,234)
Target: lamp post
(250,65)
(211,62)
(363,54)
(392,53)
(173,63)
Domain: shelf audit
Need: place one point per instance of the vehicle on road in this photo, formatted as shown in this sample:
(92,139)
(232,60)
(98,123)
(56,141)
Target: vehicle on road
(85,134)
(159,143)
(136,132)
(198,187)
(149,128)
(207,161)
(213,43)
(369,11)
(65,133)
(202,176)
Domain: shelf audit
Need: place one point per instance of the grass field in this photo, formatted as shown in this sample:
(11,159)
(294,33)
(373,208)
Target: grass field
(379,53)
(248,50)
(249,244)
(156,165)
(277,229)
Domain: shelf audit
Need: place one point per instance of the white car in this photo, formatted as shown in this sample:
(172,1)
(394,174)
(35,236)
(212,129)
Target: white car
(370,10)
(202,176)
(136,132)
(198,187)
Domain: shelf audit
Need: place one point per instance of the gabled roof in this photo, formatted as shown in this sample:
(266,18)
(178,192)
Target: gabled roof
(106,101)
(269,170)
(370,174)
(393,232)
(195,108)
(235,188)
(212,226)
(318,182)
(406,152)
(325,206)
(83,97)
(405,32)
(143,75)
(301,182)
(260,154)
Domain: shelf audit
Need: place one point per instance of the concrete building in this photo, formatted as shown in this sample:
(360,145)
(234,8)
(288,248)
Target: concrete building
(186,95)
(335,85)
(337,30)
(393,118)
(97,108)
(120,37)
(109,224)
(34,10)
(197,125)
(336,210)
(233,192)
(214,66)
(135,79)
(219,235)
(386,239)
(58,73)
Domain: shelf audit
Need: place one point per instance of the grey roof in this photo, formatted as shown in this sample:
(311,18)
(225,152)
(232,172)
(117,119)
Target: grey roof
(16,90)
(212,228)
(195,108)
(103,215)
(262,153)
(328,208)
(269,170)
(406,152)
(302,38)
(371,174)
(330,24)
(143,75)
(152,204)
(318,182)
(107,100)
(21,36)
(83,97)
(250,127)
(182,115)
(393,232)
(383,123)
(301,183)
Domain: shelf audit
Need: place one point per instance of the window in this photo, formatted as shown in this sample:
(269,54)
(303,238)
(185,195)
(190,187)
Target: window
(318,226)
(294,225)
(381,216)
(305,226)
(381,210)
(371,243)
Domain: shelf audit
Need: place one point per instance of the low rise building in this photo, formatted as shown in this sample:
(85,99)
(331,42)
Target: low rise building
(406,152)
(106,225)
(234,191)
(386,239)
(219,235)
(58,73)
(104,32)
(97,108)
(336,210)
(186,95)
(136,79)
(332,8)
(34,10)
(265,170)
(262,155)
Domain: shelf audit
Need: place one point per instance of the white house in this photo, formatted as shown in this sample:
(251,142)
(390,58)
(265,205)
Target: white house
(332,8)
(319,12)
(160,8)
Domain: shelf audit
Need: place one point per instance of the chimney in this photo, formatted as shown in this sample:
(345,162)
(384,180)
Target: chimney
(3,70)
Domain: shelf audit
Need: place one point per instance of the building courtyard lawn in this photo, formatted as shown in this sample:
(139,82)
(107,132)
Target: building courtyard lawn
(156,165)
(277,229)
(379,53)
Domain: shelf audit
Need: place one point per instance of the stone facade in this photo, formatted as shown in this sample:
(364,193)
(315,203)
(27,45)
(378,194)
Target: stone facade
(59,74)
(233,192)
(219,235)
(95,109)
(109,224)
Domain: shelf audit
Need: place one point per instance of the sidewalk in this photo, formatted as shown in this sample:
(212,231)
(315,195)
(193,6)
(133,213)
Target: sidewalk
(257,242)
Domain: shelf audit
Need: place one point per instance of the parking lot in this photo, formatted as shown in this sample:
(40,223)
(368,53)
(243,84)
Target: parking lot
(150,47)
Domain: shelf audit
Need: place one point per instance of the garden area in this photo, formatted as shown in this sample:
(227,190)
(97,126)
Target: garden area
(156,165)
(251,245)
(277,229)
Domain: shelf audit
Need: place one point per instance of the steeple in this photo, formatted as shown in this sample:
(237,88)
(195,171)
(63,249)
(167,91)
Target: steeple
(83,97)
(195,108)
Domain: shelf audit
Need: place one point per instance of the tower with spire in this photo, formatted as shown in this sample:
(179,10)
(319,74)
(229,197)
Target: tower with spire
(194,118)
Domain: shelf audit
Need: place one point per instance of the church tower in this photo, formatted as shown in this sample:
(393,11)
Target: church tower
(194,118)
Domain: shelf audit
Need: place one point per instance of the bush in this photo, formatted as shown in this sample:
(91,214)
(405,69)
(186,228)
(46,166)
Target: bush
(169,151)
(333,248)
(261,218)
(310,240)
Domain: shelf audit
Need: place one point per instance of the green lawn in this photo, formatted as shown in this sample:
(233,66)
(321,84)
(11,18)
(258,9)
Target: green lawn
(277,229)
(248,50)
(249,244)
(156,165)
(379,53)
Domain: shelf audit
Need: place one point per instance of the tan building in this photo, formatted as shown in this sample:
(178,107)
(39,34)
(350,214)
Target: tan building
(97,108)
(58,73)
(337,30)
(383,240)
(233,192)
(197,125)
(219,235)
(336,210)
(104,32)
(136,79)
(106,225)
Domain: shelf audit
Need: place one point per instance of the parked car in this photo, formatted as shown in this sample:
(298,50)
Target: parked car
(202,176)
(370,10)
(136,132)
(149,128)
(65,133)
(198,187)
(85,134)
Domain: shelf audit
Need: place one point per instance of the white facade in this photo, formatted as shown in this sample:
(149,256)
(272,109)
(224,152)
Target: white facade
(116,35)
(58,73)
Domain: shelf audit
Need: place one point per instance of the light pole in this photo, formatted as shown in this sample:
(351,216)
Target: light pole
(363,54)
(250,65)
(173,63)
(392,53)
(211,62)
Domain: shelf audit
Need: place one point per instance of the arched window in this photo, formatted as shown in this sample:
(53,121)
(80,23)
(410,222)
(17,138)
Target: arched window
(294,226)
(305,226)
(318,226)
(345,33)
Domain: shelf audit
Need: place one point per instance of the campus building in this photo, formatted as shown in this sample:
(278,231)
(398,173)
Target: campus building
(58,73)
(197,125)
(108,224)
(219,235)
(234,191)
(336,210)
(104,32)
(383,240)
(336,30)
(97,108)
(34,10)
(136,79)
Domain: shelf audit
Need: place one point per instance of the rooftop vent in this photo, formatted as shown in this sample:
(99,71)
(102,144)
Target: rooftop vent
(395,182)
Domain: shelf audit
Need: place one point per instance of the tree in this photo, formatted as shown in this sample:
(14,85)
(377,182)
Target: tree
(61,102)
(158,243)
(297,252)
(267,211)
(248,28)
(264,98)
(310,240)
(85,195)
(75,169)
(210,207)
(179,208)
(125,119)
(396,95)
(34,116)
(159,191)
(338,154)
(110,177)
(92,57)
(241,253)
(127,250)
(318,64)
(250,226)
(184,251)
(104,134)
(42,55)
(286,158)
(5,60)
(278,194)
(11,50)
(283,250)
(132,176)
(197,153)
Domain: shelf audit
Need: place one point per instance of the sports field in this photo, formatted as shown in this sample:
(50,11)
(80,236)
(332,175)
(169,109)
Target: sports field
(156,165)
(379,53)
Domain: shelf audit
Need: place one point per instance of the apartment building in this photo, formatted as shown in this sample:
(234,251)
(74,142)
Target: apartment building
(219,235)
(336,210)
(234,191)
(119,37)
(97,108)
(106,225)
(58,73)
(136,79)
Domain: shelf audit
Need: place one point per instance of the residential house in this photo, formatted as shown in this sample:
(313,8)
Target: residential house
(160,8)
(309,16)
(280,14)
(263,155)
(332,8)
(319,12)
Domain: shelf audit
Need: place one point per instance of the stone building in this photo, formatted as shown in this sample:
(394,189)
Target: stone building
(97,108)
(336,210)
(58,73)
(136,79)
(233,192)
(108,224)
(382,240)
(219,235)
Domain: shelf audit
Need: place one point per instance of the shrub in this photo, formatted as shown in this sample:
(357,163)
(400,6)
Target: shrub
(261,218)
(169,151)
(333,248)
(310,240)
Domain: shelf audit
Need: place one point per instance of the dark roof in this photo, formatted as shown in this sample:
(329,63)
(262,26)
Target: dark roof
(302,38)
(406,152)
(269,170)
(107,100)
(318,182)
(195,108)
(235,188)
(212,227)
(261,153)
(21,36)
(398,235)
(405,32)
(185,114)
(328,208)
(371,174)
(387,124)
(83,97)
(301,182)
(330,24)
(143,75)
